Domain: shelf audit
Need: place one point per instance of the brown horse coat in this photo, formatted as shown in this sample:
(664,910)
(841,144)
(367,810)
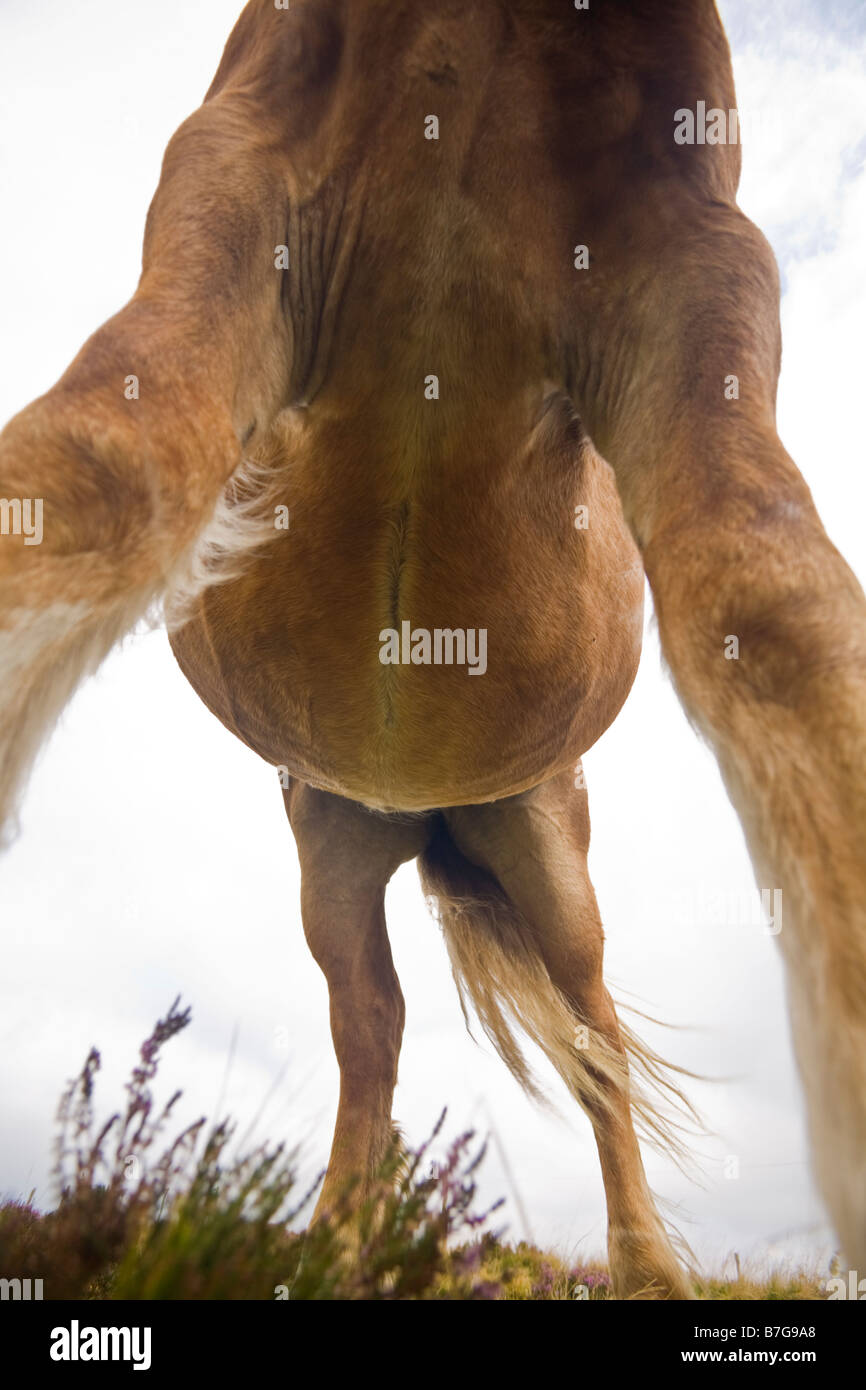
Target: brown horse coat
(426,279)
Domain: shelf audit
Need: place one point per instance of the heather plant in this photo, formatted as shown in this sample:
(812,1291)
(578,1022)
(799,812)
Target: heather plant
(140,1216)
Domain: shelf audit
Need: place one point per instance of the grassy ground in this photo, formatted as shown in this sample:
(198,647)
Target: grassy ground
(141,1218)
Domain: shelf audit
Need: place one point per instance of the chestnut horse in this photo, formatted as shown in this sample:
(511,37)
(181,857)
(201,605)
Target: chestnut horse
(449,330)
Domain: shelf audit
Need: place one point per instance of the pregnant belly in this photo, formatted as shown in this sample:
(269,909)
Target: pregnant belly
(475,681)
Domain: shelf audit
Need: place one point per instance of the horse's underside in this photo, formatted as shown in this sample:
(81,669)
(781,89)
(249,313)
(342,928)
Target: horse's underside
(412,273)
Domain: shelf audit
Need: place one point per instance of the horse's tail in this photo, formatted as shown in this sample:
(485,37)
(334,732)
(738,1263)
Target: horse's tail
(499,971)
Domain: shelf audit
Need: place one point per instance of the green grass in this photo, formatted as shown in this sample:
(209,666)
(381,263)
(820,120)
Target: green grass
(138,1217)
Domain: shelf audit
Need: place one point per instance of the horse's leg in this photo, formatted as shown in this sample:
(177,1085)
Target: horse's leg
(347,856)
(761,620)
(535,930)
(130,453)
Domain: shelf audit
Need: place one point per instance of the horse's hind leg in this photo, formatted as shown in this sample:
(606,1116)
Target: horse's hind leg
(526,941)
(347,855)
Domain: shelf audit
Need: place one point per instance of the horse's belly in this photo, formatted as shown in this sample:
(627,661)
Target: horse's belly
(412,665)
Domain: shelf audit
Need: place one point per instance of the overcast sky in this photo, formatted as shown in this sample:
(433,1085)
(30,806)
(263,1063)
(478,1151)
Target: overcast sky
(156,859)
